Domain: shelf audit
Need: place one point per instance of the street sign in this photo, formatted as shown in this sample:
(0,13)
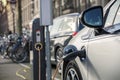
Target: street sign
(46,12)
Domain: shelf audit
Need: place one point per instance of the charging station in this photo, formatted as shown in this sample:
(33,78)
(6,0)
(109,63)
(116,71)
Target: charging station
(41,42)
(39,63)
(46,19)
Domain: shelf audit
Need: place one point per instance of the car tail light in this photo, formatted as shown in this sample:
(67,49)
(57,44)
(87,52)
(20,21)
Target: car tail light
(74,33)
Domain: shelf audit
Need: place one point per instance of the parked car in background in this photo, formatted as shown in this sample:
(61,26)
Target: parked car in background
(94,53)
(61,32)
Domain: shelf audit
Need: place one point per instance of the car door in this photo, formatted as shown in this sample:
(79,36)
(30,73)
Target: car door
(104,49)
(103,57)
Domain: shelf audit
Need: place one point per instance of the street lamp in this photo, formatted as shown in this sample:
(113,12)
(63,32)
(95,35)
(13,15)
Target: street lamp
(13,6)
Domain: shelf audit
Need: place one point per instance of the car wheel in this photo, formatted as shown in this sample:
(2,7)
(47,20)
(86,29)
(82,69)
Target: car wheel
(59,54)
(72,72)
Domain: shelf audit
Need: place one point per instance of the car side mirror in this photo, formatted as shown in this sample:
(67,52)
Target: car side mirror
(93,17)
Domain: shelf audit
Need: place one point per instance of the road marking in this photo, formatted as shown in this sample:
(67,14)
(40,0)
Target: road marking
(25,69)
(19,75)
(26,66)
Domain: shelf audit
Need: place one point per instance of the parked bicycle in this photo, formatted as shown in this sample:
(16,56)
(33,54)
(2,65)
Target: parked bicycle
(20,50)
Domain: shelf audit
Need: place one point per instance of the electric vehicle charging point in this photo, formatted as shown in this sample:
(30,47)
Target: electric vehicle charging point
(46,19)
(38,44)
(41,42)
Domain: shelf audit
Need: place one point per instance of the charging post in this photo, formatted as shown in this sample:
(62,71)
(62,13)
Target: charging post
(41,42)
(39,62)
(46,20)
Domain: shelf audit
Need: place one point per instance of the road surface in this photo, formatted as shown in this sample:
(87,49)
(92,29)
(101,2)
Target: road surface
(14,71)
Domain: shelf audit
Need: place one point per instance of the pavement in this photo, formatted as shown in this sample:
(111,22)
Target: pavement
(14,71)
(26,71)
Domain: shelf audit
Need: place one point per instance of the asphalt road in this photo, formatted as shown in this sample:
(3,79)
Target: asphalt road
(8,70)
(13,71)
(28,65)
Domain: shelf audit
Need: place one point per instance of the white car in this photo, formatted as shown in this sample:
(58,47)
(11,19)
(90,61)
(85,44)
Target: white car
(94,53)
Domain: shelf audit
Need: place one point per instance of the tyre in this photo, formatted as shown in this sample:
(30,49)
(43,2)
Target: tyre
(2,50)
(19,55)
(58,54)
(72,72)
(8,51)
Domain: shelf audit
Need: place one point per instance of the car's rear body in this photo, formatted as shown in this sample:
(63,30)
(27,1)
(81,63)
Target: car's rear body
(62,30)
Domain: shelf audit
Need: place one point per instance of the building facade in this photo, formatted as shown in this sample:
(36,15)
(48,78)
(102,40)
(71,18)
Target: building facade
(12,12)
(30,9)
(10,18)
(3,18)
(61,7)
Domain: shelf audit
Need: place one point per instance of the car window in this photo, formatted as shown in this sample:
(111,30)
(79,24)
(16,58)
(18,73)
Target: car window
(108,5)
(68,24)
(113,29)
(55,26)
(111,14)
(116,25)
(117,18)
